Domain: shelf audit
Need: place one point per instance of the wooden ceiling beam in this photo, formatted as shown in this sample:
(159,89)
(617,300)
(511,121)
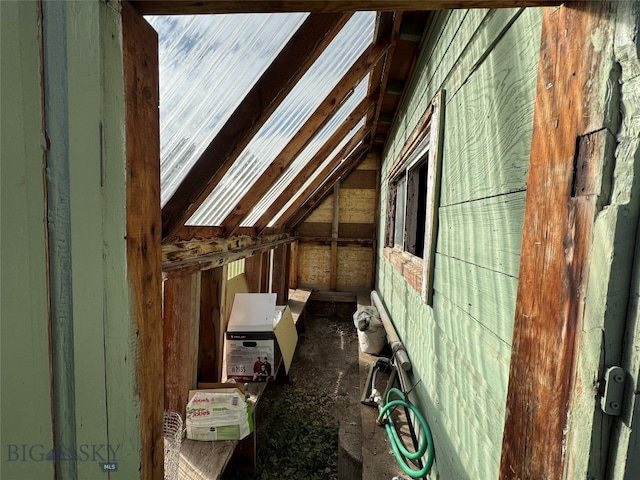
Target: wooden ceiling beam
(325,187)
(384,74)
(306,45)
(347,125)
(192,7)
(320,117)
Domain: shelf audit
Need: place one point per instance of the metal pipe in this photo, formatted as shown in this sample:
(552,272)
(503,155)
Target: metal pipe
(402,359)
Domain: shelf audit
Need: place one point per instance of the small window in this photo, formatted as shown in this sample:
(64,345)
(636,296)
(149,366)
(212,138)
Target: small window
(414,190)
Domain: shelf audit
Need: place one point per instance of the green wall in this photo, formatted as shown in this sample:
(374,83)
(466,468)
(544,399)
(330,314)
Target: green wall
(84,111)
(24,345)
(486,60)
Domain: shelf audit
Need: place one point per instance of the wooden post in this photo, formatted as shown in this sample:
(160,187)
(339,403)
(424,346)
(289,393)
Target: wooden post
(280,277)
(181,325)
(293,267)
(144,225)
(333,275)
(559,214)
(210,346)
(253,272)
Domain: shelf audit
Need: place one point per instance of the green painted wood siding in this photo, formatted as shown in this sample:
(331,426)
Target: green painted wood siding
(486,60)
(106,412)
(25,415)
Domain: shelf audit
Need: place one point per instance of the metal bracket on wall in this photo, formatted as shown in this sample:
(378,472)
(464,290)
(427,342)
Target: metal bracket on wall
(611,401)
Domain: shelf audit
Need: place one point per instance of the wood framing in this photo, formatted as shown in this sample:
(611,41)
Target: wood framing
(306,45)
(142,125)
(280,275)
(333,275)
(301,178)
(181,325)
(191,7)
(558,221)
(188,257)
(317,120)
(319,193)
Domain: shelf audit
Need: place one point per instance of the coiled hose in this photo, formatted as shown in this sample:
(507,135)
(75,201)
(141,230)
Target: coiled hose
(399,450)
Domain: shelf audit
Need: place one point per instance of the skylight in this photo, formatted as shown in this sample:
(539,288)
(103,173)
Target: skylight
(287,119)
(208,63)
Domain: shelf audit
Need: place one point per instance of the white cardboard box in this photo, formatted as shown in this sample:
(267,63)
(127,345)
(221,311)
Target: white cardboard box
(259,336)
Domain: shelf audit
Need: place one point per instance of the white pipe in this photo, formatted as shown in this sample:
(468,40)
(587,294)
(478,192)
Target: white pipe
(397,347)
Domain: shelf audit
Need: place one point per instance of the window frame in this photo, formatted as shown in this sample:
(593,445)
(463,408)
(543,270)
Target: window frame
(424,148)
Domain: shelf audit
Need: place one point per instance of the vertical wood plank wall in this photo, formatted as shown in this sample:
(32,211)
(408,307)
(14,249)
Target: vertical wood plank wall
(144,226)
(335,248)
(460,349)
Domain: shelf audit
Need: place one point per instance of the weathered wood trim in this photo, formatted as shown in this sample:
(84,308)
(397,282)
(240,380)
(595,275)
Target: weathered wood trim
(192,7)
(301,178)
(188,257)
(433,195)
(142,126)
(181,325)
(570,103)
(306,45)
(407,265)
(253,272)
(317,120)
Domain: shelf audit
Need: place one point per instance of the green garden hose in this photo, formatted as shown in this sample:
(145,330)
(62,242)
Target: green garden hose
(399,450)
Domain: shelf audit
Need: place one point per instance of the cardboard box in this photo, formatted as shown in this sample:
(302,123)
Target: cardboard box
(260,336)
(218,413)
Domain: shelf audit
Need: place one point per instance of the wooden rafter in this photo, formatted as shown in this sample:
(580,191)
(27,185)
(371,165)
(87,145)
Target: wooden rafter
(317,182)
(384,74)
(320,117)
(192,7)
(570,110)
(329,146)
(306,45)
(342,170)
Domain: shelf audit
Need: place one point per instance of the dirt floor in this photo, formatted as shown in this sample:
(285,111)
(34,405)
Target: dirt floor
(298,419)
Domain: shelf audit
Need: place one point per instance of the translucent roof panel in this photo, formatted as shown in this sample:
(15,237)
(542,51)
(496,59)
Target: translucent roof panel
(321,167)
(275,134)
(208,63)
(307,154)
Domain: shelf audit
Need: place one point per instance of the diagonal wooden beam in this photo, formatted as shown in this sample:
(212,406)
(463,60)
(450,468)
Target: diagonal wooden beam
(306,45)
(347,125)
(320,117)
(321,178)
(384,73)
(297,182)
(301,178)
(327,183)
(192,7)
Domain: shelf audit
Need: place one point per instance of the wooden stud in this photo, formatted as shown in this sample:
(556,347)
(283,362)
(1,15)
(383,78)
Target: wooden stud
(570,104)
(333,275)
(306,45)
(280,276)
(293,268)
(181,326)
(142,125)
(209,320)
(193,7)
